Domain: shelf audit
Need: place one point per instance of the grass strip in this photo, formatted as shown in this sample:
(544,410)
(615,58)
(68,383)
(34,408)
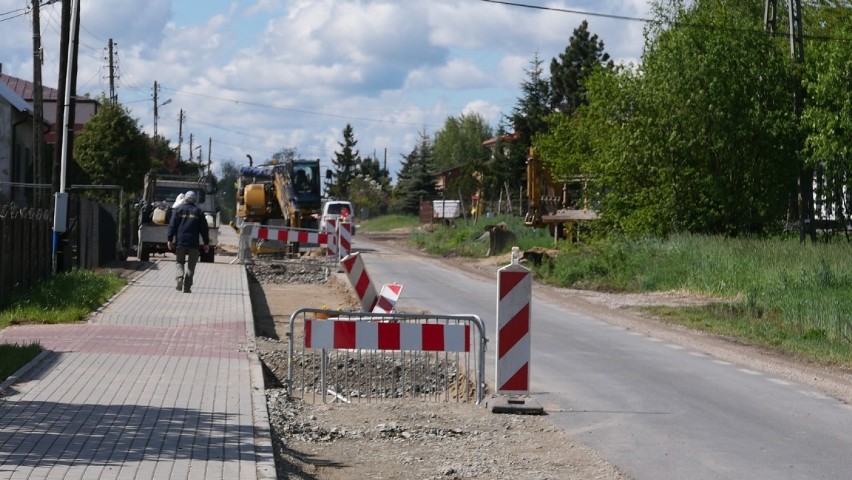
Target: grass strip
(14,356)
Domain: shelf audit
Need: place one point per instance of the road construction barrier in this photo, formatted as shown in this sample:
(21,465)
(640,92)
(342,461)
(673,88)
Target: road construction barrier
(387,298)
(514,292)
(288,235)
(360,281)
(331,246)
(344,239)
(268,244)
(346,356)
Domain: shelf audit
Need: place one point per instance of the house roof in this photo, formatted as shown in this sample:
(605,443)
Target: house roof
(509,137)
(14,99)
(24,89)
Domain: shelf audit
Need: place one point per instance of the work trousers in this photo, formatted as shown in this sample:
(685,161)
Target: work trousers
(185,260)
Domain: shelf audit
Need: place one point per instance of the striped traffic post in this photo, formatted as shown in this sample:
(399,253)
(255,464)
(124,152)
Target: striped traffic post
(387,298)
(360,281)
(344,238)
(331,230)
(514,292)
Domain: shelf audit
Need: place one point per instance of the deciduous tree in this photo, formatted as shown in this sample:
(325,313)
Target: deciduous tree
(112,150)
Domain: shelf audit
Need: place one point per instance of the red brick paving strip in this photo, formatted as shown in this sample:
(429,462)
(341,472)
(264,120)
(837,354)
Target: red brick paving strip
(154,386)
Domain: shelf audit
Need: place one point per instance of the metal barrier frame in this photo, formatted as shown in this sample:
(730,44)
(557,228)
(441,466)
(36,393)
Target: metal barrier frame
(247,242)
(478,345)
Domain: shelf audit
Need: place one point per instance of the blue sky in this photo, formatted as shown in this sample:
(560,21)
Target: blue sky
(258,76)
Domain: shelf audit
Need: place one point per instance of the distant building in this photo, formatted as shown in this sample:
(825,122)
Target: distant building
(16,134)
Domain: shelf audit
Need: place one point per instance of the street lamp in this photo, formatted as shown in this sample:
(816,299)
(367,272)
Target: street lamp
(157,115)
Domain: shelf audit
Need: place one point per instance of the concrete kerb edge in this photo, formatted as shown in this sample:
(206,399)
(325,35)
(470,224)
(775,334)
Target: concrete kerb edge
(15,377)
(264,455)
(111,299)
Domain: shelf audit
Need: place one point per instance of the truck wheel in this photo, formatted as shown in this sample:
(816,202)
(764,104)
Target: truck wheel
(142,253)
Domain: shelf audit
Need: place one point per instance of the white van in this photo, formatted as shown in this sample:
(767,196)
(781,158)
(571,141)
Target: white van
(335,209)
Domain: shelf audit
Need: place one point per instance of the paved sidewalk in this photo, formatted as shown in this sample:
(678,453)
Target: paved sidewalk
(156,385)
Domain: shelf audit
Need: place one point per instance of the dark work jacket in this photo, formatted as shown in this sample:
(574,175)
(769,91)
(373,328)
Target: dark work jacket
(186,224)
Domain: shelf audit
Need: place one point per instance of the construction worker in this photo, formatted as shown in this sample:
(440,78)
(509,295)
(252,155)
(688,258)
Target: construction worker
(187,224)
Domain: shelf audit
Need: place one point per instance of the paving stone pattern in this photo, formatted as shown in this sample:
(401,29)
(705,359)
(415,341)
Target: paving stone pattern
(157,384)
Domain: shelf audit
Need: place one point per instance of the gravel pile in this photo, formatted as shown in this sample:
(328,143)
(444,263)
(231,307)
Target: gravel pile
(304,271)
(404,437)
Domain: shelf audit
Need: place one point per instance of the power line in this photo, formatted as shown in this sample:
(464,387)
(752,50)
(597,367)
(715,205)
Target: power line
(23,11)
(661,22)
(295,110)
(566,10)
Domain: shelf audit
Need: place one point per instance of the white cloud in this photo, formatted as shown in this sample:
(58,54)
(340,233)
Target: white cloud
(261,75)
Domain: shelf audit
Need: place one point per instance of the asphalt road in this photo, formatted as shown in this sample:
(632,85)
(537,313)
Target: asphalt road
(655,409)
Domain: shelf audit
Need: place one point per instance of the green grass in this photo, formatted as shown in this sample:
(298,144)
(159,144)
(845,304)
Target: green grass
(386,223)
(795,297)
(777,292)
(467,238)
(62,298)
(13,357)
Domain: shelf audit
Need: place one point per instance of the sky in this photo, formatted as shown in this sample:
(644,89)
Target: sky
(258,76)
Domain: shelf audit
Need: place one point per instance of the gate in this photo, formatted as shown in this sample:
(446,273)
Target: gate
(354,356)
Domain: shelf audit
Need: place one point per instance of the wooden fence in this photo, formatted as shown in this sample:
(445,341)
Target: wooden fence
(26,242)
(25,248)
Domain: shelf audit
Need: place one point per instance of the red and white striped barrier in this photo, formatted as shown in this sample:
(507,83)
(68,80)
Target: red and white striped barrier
(514,292)
(344,238)
(331,230)
(288,235)
(426,337)
(387,298)
(360,281)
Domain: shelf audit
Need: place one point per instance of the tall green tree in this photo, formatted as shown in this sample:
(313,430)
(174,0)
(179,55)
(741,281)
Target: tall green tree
(372,169)
(286,154)
(460,141)
(345,164)
(227,195)
(827,115)
(699,139)
(528,118)
(570,69)
(415,180)
(112,150)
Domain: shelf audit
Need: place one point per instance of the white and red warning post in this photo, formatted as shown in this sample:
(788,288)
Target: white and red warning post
(514,293)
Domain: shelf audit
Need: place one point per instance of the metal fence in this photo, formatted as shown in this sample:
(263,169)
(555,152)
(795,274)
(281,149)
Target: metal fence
(25,248)
(311,254)
(353,357)
(92,239)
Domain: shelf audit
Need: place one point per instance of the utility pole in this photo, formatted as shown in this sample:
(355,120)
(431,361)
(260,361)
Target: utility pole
(156,104)
(38,105)
(180,133)
(805,194)
(190,148)
(209,154)
(112,97)
(65,25)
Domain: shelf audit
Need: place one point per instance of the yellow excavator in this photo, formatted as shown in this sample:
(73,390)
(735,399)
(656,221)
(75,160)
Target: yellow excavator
(285,195)
(561,206)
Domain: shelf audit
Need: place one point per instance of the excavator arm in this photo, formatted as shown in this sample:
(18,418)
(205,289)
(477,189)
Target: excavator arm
(286,197)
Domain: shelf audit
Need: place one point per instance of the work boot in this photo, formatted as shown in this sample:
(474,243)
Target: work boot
(179,284)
